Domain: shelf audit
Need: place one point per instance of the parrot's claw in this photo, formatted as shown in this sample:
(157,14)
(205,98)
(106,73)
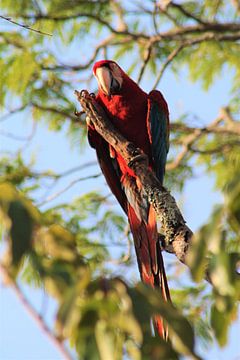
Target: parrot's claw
(84,93)
(137,158)
(78,113)
(88,120)
(92,95)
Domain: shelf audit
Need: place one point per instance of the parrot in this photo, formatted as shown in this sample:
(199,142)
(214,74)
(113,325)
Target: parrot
(142,119)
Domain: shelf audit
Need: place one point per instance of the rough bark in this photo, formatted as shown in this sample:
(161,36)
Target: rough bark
(177,235)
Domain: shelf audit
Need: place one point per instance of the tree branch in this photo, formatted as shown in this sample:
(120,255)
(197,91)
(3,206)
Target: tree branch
(27,27)
(71,184)
(170,58)
(57,342)
(54,110)
(229,127)
(146,58)
(187,13)
(177,233)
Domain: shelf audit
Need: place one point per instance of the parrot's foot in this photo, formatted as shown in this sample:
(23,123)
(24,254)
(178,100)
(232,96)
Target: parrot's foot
(138,158)
(78,113)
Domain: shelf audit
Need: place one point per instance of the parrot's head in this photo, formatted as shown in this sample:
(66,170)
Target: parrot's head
(109,77)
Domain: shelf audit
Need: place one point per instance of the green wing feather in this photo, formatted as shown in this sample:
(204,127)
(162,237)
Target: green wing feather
(158,128)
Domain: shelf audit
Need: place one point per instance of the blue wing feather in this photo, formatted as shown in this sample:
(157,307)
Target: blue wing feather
(158,125)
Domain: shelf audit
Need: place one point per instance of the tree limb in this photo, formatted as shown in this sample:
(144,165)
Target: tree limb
(25,26)
(177,234)
(57,342)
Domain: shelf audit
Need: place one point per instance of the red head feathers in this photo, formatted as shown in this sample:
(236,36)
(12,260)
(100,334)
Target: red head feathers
(109,76)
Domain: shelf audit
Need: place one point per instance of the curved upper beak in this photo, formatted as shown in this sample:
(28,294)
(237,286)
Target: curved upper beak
(104,76)
(106,81)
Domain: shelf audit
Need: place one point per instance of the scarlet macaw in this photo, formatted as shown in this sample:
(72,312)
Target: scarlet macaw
(144,120)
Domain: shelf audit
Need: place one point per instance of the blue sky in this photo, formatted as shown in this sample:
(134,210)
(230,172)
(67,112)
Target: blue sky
(20,338)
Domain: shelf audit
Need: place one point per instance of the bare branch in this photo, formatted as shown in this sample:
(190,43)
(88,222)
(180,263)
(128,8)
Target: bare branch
(21,138)
(223,148)
(72,183)
(24,26)
(57,342)
(146,58)
(47,174)
(229,126)
(85,66)
(187,13)
(56,111)
(170,58)
(12,112)
(125,258)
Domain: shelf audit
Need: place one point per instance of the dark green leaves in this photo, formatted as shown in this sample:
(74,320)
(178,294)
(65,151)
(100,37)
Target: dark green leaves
(20,231)
(19,217)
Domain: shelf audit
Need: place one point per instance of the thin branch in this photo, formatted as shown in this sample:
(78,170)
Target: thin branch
(77,168)
(170,58)
(188,141)
(72,183)
(34,315)
(229,31)
(21,138)
(164,10)
(192,42)
(12,112)
(85,66)
(187,13)
(125,258)
(146,58)
(95,17)
(209,30)
(47,174)
(56,111)
(230,126)
(223,148)
(122,25)
(27,27)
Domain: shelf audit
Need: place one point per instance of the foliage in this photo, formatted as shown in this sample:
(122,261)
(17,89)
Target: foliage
(66,248)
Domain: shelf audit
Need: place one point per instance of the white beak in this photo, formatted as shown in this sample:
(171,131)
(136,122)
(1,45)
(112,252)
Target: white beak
(104,78)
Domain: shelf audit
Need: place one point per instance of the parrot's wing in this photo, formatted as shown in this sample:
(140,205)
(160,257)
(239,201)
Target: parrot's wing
(158,131)
(109,166)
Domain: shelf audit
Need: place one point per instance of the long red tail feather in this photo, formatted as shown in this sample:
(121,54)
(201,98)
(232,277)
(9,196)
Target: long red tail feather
(149,257)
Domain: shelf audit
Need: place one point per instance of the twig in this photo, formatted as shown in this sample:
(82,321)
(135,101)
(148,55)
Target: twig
(146,58)
(21,138)
(24,26)
(12,112)
(125,258)
(170,58)
(187,13)
(34,315)
(188,141)
(79,67)
(72,183)
(57,176)
(230,126)
(188,43)
(55,111)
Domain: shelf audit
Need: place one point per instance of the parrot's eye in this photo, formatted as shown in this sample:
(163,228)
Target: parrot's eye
(115,86)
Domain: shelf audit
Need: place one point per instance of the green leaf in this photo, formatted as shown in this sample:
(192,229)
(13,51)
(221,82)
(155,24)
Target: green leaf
(20,231)
(219,323)
(180,329)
